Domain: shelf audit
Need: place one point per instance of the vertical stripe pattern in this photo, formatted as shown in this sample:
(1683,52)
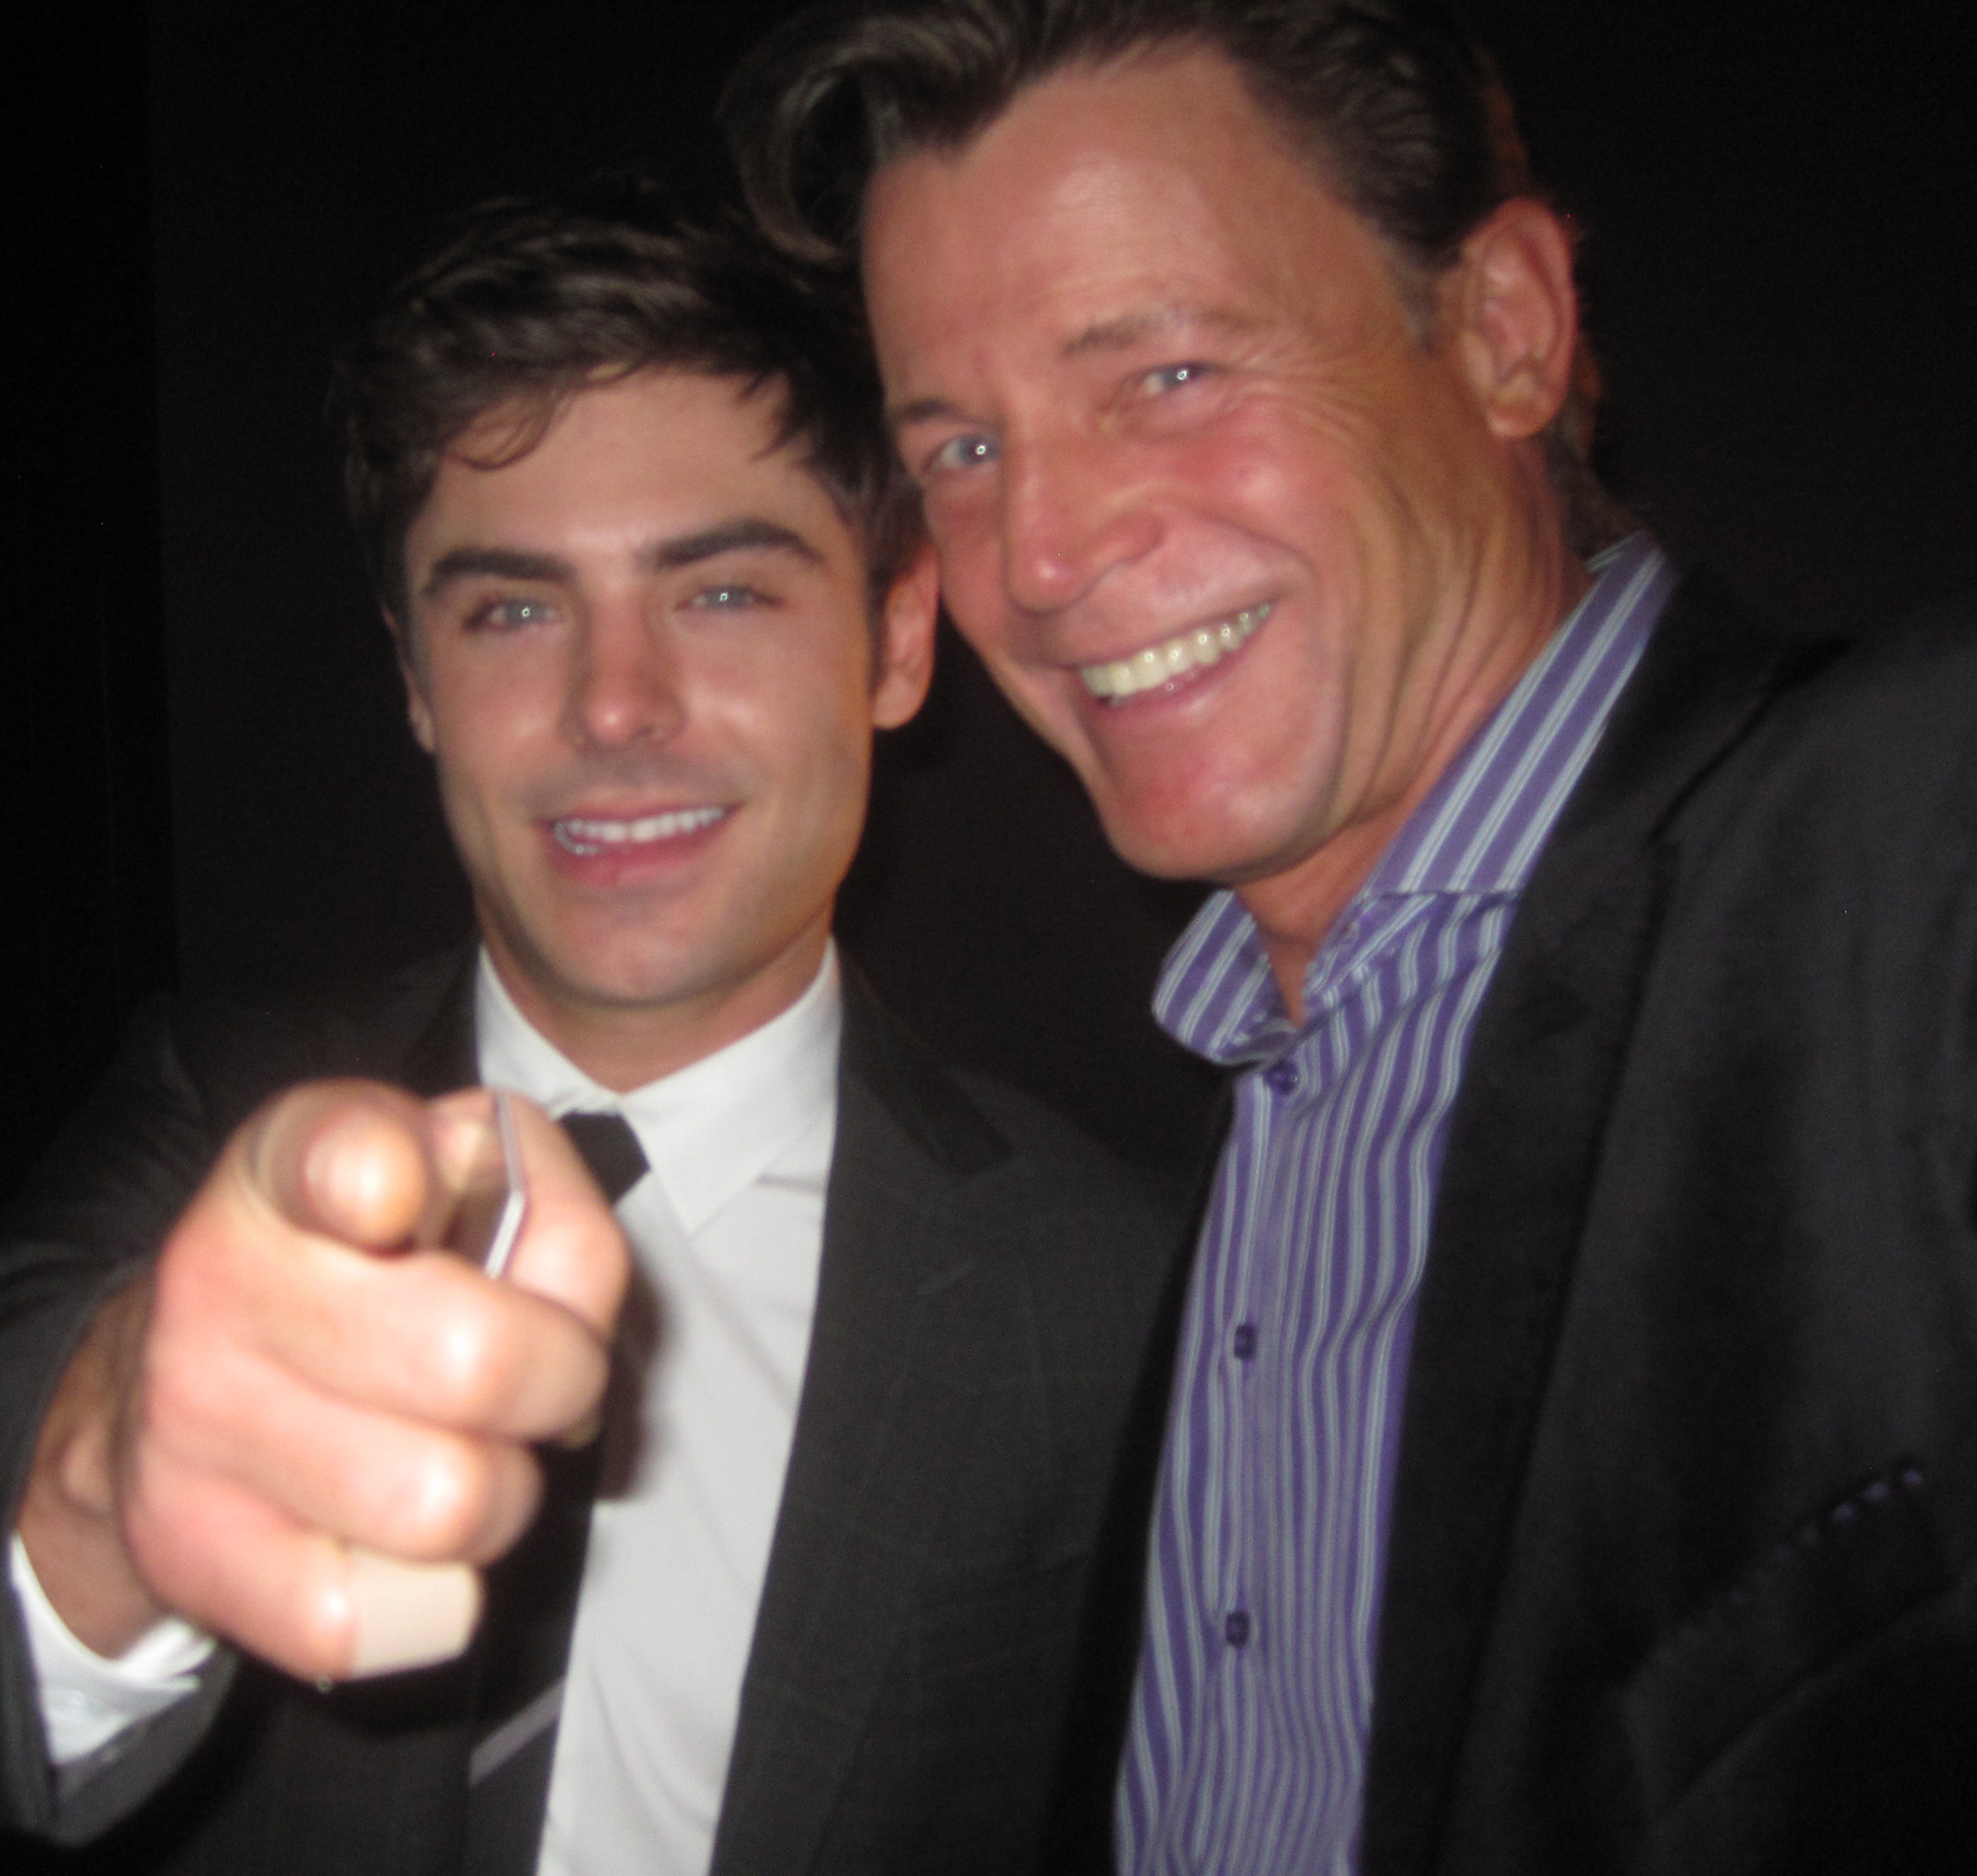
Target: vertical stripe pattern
(1247,1745)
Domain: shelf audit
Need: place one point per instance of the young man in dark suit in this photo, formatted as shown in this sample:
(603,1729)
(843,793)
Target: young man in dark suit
(1573,1459)
(654,582)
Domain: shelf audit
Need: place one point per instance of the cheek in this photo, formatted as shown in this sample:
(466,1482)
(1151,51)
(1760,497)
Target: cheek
(817,813)
(968,545)
(798,711)
(1274,473)
(490,749)
(481,706)
(1305,460)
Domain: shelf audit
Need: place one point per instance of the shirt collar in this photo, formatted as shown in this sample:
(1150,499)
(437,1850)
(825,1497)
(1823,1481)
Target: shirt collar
(1479,831)
(709,1131)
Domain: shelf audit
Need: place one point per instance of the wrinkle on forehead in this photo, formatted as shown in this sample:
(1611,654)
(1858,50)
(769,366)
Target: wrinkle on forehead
(1048,212)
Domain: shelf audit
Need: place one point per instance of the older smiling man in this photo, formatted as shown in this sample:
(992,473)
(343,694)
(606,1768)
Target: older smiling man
(1569,1466)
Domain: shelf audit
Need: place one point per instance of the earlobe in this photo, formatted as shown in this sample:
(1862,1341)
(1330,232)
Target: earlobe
(421,717)
(1518,317)
(416,709)
(906,648)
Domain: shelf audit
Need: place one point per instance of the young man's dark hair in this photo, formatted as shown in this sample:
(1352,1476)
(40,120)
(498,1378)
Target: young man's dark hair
(1392,100)
(538,298)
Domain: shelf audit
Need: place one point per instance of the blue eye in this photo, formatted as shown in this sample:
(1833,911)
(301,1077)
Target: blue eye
(511,615)
(969,451)
(1164,378)
(727,598)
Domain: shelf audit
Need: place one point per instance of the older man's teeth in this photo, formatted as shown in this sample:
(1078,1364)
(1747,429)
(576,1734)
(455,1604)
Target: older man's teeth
(1161,665)
(597,837)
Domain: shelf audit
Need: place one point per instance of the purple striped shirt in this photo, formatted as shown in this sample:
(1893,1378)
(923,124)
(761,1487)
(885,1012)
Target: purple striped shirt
(1247,1749)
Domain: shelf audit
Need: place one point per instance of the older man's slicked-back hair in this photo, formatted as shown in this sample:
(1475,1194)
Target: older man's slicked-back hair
(1400,111)
(536,299)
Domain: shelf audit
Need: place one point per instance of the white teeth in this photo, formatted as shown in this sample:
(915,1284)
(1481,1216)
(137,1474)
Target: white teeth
(594,837)
(1162,665)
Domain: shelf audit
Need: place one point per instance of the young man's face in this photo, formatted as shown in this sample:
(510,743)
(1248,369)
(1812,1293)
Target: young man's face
(644,667)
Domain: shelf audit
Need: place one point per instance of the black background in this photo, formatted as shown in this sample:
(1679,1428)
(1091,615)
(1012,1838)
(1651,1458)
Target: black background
(209,777)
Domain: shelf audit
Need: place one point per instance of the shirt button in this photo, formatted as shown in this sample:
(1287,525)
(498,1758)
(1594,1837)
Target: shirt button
(1237,1628)
(1281,1075)
(1244,1341)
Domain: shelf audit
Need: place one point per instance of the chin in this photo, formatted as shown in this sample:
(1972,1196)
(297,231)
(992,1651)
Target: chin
(629,986)
(604,975)
(1161,861)
(1162,849)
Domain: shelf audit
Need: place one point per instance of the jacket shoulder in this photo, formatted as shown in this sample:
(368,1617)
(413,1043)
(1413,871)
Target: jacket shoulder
(190,1070)
(1902,689)
(995,1142)
(377,1028)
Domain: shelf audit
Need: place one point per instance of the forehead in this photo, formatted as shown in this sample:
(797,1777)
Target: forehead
(660,452)
(1154,182)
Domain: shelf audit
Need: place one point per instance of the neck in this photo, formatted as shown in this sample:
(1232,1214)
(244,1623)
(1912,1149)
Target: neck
(1516,601)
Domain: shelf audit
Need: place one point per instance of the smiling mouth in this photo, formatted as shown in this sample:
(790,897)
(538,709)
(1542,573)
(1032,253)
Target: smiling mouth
(1175,660)
(587,837)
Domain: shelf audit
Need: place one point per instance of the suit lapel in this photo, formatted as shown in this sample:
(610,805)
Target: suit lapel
(442,1056)
(887,1394)
(1523,1146)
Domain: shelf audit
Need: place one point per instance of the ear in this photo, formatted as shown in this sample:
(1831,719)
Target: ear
(416,706)
(906,642)
(1517,316)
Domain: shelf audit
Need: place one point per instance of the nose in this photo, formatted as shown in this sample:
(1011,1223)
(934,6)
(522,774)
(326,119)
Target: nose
(1070,515)
(624,683)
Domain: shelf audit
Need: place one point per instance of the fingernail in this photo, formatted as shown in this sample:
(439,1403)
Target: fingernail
(408,1615)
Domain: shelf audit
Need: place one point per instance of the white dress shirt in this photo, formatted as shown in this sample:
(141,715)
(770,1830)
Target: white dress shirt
(87,1699)
(726,1232)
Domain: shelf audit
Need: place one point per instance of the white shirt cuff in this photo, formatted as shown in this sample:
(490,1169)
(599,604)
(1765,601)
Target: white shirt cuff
(87,1700)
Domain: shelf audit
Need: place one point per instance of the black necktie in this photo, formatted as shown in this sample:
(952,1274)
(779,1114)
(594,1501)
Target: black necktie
(607,1146)
(532,1591)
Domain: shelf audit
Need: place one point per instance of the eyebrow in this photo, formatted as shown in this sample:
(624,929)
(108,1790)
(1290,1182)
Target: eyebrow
(921,410)
(1105,336)
(1132,329)
(494,563)
(726,537)
(658,556)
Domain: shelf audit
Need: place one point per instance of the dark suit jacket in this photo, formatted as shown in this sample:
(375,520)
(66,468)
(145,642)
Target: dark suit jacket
(1680,1569)
(987,1286)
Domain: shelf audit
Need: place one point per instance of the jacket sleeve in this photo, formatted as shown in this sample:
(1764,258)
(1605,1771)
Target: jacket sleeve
(98,1207)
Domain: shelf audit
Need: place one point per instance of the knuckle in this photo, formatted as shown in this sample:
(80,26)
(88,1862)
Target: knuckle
(192,1403)
(326,1628)
(173,1408)
(468,1365)
(158,1542)
(578,1257)
(443,1503)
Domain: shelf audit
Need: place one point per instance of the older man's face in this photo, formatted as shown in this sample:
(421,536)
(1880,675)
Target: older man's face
(1207,504)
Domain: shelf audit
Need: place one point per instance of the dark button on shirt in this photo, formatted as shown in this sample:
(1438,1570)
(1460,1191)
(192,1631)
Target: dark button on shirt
(1244,1341)
(1237,1628)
